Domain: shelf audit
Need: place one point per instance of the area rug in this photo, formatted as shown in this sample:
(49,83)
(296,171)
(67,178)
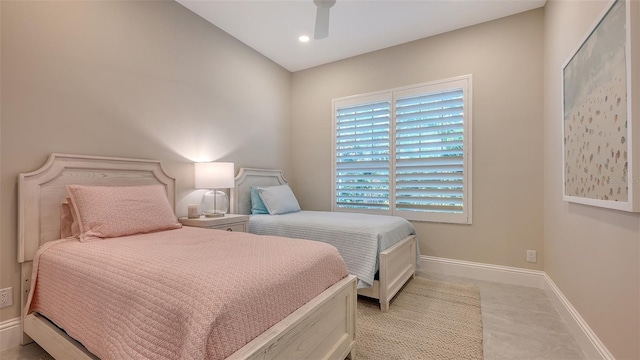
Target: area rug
(426,320)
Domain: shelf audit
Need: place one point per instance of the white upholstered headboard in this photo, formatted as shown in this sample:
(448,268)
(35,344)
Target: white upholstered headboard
(41,192)
(246,178)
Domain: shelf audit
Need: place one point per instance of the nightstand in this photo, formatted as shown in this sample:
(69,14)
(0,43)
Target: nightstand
(229,222)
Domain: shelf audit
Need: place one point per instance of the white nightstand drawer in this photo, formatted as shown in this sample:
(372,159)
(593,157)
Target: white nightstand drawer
(229,222)
(230,227)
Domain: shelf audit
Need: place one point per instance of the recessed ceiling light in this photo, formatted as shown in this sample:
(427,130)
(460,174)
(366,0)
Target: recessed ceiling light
(303,38)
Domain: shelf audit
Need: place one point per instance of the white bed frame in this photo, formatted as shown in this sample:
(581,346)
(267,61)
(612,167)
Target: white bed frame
(397,263)
(324,328)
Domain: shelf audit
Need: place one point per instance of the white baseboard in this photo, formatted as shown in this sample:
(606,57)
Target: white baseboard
(10,334)
(586,338)
(480,271)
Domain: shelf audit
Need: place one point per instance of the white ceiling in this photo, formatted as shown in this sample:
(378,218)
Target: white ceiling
(356,26)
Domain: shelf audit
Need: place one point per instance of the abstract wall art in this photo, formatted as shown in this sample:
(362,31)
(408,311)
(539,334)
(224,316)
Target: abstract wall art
(600,120)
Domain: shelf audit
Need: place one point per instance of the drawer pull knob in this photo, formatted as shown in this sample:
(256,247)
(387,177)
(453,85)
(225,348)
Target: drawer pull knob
(229,229)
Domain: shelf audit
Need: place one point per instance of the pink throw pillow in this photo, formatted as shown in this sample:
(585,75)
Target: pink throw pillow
(113,211)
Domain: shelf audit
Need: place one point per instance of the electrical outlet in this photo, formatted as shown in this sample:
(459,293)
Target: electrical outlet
(6,297)
(532,256)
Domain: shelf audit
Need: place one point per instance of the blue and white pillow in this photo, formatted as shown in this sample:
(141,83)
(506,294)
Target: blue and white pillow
(257,206)
(278,199)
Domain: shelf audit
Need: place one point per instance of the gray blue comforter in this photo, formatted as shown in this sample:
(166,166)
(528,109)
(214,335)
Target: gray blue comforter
(359,238)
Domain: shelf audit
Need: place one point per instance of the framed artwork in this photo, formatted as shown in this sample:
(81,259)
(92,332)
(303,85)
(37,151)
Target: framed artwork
(601,101)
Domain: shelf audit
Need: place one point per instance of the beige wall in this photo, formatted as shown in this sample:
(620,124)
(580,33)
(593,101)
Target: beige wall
(591,253)
(133,79)
(505,59)
(153,80)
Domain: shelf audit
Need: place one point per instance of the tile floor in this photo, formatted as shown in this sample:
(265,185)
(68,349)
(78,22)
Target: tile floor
(519,323)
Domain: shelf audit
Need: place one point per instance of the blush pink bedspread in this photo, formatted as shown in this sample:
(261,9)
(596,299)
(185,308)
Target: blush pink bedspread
(179,294)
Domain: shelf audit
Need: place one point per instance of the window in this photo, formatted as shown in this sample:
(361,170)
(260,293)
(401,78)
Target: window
(405,152)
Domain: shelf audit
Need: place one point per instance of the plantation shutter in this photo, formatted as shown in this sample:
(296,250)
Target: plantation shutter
(429,152)
(362,153)
(405,152)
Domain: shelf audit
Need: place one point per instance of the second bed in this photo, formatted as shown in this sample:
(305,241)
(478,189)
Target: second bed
(382,251)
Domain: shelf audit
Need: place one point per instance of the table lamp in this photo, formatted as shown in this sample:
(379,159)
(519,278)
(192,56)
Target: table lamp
(214,176)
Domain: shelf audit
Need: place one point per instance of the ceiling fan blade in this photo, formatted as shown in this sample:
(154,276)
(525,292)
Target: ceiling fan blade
(322,23)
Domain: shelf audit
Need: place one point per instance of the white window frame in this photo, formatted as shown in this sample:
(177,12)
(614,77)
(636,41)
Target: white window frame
(461,82)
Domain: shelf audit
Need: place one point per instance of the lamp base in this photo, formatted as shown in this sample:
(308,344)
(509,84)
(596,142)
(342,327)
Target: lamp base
(215,203)
(214,215)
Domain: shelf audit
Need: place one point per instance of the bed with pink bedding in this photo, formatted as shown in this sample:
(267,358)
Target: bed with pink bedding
(188,293)
(129,282)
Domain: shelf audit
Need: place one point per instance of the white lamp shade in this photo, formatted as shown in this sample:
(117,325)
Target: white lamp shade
(214,175)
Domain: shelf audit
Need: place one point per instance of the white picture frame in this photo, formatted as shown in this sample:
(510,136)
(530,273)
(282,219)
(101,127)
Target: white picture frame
(600,108)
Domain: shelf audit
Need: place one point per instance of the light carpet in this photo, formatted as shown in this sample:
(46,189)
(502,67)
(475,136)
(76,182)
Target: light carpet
(426,320)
